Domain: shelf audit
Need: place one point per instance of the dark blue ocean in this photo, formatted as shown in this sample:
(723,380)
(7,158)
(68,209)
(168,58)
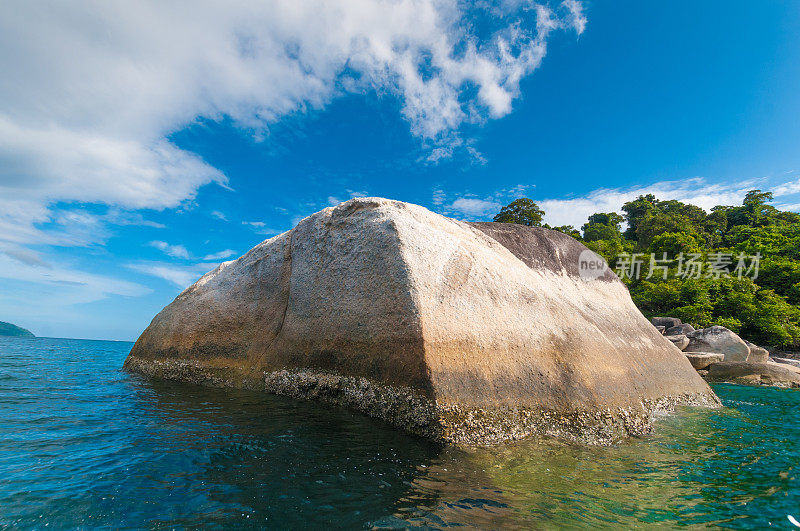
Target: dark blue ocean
(85,445)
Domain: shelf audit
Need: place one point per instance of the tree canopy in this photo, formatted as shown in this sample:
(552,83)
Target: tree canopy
(670,236)
(522,211)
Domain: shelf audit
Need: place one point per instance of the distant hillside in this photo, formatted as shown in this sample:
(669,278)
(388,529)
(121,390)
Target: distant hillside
(8,329)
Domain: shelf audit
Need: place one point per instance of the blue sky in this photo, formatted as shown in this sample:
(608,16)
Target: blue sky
(140,148)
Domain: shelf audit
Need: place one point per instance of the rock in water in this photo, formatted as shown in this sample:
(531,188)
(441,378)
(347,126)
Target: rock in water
(746,373)
(786,361)
(468,333)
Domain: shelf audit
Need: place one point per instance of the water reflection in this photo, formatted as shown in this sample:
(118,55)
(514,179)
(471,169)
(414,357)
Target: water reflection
(726,467)
(83,444)
(250,458)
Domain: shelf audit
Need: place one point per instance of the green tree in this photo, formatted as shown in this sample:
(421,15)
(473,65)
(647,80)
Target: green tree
(602,226)
(765,309)
(673,244)
(566,229)
(635,211)
(522,211)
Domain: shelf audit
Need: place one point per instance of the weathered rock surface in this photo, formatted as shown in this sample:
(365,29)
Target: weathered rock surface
(746,373)
(702,360)
(679,330)
(661,329)
(757,354)
(468,333)
(679,341)
(666,322)
(721,340)
(787,361)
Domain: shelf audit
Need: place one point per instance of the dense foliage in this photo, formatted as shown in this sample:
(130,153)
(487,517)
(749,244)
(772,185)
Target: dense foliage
(736,266)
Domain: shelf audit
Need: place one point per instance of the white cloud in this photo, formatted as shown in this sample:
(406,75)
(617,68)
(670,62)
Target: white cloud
(72,286)
(180,276)
(575,211)
(697,191)
(220,255)
(175,251)
(259,227)
(473,207)
(790,188)
(97,87)
(27,257)
(219,215)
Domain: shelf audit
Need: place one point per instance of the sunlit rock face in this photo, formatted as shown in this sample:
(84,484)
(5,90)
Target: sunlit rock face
(472,333)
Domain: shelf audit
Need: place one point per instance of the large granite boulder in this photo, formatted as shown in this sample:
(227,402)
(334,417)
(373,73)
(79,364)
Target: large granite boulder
(721,340)
(679,341)
(679,330)
(745,373)
(468,333)
(757,354)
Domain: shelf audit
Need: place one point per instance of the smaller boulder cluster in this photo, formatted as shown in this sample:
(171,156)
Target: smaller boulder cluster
(718,354)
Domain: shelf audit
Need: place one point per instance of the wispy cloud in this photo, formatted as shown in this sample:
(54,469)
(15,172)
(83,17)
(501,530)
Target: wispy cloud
(73,286)
(219,215)
(180,252)
(260,227)
(471,208)
(220,255)
(789,188)
(180,276)
(175,251)
(27,257)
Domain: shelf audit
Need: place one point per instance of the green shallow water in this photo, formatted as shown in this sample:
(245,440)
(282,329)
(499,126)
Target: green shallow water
(85,445)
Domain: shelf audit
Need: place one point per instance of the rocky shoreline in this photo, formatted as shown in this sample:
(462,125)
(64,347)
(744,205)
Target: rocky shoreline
(719,355)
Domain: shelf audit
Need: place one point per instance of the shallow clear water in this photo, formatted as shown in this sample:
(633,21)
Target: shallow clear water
(83,444)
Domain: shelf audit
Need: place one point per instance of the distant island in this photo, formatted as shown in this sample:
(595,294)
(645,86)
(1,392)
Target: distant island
(8,329)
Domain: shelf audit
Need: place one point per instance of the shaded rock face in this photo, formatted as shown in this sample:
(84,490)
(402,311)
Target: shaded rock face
(666,322)
(721,340)
(468,333)
(679,330)
(702,360)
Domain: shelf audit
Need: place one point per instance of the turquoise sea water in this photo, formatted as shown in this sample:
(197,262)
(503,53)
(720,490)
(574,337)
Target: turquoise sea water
(83,444)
